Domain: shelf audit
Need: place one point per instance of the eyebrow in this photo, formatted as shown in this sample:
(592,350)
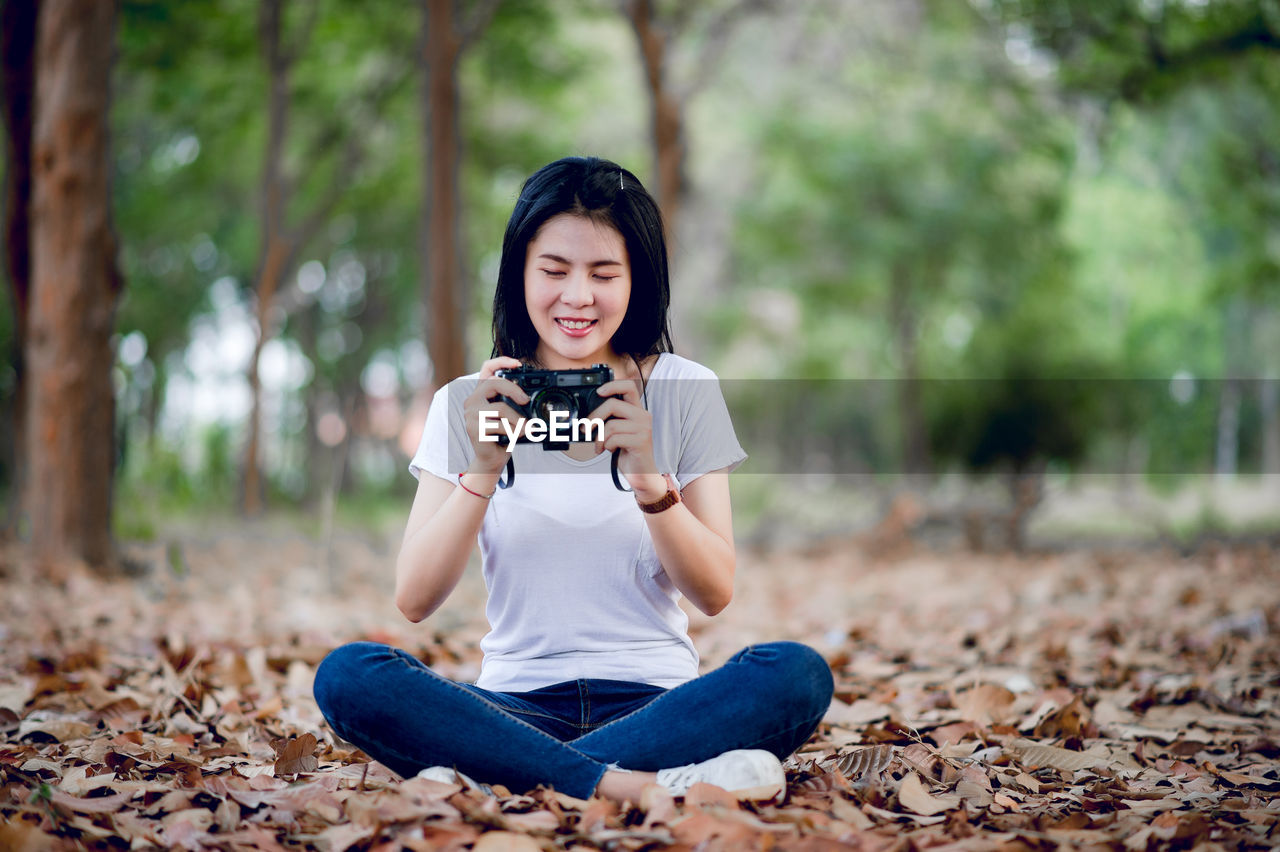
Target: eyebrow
(592,265)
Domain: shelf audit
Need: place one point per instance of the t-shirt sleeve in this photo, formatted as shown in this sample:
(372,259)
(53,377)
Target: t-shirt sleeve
(707,439)
(445,450)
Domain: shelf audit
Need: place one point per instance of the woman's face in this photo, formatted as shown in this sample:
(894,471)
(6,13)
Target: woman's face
(577,284)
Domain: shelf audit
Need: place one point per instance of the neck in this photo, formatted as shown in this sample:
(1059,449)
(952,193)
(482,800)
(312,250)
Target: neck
(555,362)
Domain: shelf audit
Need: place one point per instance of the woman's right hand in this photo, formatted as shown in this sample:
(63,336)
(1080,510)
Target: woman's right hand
(491,456)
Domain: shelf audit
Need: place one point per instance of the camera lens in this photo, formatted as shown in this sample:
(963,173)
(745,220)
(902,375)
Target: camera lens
(553,400)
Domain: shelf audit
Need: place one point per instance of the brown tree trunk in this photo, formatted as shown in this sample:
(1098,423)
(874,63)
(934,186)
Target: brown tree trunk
(17,52)
(443,283)
(281,240)
(666,112)
(276,250)
(75,286)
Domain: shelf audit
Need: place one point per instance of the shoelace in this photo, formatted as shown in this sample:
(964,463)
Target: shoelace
(678,779)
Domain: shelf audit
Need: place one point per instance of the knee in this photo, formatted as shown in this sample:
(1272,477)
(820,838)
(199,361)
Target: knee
(803,673)
(340,674)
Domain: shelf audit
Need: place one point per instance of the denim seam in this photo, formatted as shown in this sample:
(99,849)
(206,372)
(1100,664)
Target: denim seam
(736,659)
(648,705)
(785,731)
(492,707)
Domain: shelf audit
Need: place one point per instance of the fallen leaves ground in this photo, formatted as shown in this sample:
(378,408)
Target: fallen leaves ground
(1077,700)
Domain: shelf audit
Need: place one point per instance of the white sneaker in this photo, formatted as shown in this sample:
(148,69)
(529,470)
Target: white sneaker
(449,775)
(752,774)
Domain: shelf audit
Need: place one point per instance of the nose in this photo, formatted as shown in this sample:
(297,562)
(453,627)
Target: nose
(577,290)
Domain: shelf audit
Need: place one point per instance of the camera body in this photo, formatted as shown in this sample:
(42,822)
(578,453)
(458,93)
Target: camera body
(571,391)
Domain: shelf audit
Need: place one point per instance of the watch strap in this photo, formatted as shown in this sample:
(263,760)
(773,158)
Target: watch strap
(666,501)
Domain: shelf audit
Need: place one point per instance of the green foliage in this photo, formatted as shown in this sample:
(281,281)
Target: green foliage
(1041,209)
(1143,50)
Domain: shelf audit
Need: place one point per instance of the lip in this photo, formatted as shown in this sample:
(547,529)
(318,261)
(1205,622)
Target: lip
(576,332)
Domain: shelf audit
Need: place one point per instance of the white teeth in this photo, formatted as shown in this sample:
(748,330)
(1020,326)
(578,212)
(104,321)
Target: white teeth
(576,324)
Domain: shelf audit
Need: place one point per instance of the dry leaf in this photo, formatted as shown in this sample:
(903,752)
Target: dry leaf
(297,755)
(60,728)
(985,704)
(1068,721)
(845,811)
(505,841)
(1240,779)
(864,765)
(20,836)
(1034,755)
(701,826)
(700,795)
(339,838)
(658,804)
(162,732)
(860,713)
(974,786)
(99,805)
(913,796)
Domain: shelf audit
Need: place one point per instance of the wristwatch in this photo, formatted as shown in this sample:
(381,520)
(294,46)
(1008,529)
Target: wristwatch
(666,501)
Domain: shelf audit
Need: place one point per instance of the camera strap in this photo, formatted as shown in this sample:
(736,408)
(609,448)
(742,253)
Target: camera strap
(613,462)
(613,469)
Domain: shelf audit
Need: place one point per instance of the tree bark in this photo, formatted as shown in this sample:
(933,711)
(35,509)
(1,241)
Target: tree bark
(666,112)
(443,278)
(75,286)
(276,249)
(17,51)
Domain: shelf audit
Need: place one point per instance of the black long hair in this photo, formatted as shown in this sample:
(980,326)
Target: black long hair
(605,193)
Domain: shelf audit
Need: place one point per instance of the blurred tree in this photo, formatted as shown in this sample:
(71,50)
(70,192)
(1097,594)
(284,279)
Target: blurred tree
(665,31)
(75,285)
(448,29)
(193,89)
(281,241)
(682,48)
(927,186)
(17,50)
(1210,71)
(188,86)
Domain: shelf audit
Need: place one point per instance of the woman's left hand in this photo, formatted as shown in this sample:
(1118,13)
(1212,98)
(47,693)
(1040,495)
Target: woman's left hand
(628,427)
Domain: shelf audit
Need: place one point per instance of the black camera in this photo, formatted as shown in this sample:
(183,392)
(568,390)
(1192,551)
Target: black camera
(569,391)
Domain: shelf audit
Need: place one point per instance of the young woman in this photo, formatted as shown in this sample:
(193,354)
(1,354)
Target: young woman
(589,682)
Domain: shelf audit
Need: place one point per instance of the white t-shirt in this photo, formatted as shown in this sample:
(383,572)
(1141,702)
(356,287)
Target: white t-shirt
(575,586)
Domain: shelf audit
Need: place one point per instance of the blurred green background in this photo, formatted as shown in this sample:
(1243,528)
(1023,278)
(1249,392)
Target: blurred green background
(1047,231)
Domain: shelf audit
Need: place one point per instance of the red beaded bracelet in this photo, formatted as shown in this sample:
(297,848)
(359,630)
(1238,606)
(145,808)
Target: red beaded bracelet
(464,487)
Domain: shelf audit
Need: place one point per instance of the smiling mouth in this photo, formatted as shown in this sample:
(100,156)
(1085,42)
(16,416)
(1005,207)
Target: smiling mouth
(575,325)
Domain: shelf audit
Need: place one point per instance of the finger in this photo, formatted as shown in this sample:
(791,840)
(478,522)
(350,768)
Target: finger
(629,444)
(502,362)
(629,441)
(621,389)
(621,409)
(628,429)
(490,389)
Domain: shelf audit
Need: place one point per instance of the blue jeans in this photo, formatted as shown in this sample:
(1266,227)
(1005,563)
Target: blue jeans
(391,705)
